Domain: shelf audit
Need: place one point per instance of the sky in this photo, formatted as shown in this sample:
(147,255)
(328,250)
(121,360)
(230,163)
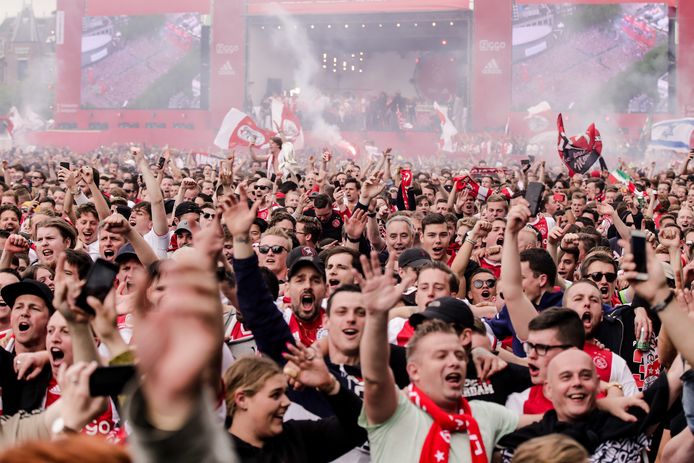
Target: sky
(12,7)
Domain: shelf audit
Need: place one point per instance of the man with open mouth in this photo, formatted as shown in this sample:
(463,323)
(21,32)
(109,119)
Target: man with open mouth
(53,236)
(87,228)
(572,386)
(32,306)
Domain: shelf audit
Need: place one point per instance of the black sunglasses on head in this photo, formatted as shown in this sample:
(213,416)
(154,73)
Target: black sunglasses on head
(597,277)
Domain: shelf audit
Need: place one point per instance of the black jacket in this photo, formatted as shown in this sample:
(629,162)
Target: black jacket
(311,441)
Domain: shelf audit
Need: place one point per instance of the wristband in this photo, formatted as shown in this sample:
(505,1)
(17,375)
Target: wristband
(659,307)
(352,240)
(371,214)
(471,241)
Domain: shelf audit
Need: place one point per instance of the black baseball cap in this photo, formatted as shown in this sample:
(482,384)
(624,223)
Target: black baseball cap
(126,252)
(448,309)
(186,207)
(413,257)
(301,256)
(11,292)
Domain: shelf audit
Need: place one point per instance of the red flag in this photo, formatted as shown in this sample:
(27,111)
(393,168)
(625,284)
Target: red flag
(238,129)
(579,152)
(405,182)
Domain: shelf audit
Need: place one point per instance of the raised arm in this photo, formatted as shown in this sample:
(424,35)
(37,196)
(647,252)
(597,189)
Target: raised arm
(97,196)
(159,223)
(66,292)
(116,223)
(379,294)
(260,315)
(520,308)
(462,259)
(674,315)
(257,157)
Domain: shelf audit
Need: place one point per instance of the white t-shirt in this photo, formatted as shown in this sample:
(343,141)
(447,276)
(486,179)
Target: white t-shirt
(159,244)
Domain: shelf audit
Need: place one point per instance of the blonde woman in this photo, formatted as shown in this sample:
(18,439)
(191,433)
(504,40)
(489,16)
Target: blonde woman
(256,397)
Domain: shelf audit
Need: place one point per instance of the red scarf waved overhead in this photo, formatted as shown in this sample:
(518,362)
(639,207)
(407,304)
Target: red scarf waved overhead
(437,445)
(405,183)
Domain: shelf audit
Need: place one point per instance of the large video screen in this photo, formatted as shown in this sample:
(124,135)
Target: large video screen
(141,62)
(591,57)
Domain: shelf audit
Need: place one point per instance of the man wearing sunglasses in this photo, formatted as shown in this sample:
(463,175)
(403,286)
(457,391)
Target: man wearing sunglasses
(601,268)
(482,290)
(263,193)
(272,251)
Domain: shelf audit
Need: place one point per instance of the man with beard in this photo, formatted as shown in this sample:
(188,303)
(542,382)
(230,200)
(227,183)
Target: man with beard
(344,312)
(10,216)
(583,297)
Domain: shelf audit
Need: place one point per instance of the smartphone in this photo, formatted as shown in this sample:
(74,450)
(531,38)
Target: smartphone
(110,381)
(99,283)
(140,180)
(534,196)
(65,165)
(559,197)
(638,249)
(161,162)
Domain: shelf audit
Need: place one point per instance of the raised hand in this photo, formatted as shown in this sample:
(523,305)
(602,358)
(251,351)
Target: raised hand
(669,237)
(605,209)
(65,294)
(481,229)
(16,244)
(306,368)
(116,223)
(188,184)
(77,407)
(379,291)
(655,288)
(238,217)
(373,186)
(210,239)
(87,174)
(355,225)
(28,365)
(518,217)
(557,234)
(178,340)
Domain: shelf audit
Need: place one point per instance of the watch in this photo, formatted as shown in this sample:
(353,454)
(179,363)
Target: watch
(659,307)
(59,427)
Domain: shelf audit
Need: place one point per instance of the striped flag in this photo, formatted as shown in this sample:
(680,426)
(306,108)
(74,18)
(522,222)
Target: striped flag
(675,134)
(619,176)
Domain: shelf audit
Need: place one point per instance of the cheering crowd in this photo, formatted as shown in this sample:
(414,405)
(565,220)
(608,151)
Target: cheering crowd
(348,311)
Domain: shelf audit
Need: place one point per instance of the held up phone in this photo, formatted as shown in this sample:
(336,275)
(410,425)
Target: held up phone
(110,381)
(534,196)
(161,162)
(638,249)
(99,283)
(65,165)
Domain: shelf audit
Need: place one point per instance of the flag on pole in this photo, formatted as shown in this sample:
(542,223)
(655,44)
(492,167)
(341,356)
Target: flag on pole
(238,129)
(287,123)
(674,134)
(448,130)
(579,152)
(619,176)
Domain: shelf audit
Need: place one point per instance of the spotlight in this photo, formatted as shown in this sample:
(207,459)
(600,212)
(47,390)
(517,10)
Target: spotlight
(313,26)
(397,25)
(444,42)
(380,25)
(451,23)
(433,24)
(330,26)
(346,26)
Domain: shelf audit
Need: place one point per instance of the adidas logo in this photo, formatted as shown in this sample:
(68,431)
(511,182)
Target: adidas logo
(491,68)
(227,70)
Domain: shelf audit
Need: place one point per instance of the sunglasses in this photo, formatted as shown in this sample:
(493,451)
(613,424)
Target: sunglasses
(275,249)
(478,284)
(209,215)
(262,187)
(597,277)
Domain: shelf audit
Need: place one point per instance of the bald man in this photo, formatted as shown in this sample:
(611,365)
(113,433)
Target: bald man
(573,385)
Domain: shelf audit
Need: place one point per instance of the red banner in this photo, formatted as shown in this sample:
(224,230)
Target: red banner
(269,7)
(491,63)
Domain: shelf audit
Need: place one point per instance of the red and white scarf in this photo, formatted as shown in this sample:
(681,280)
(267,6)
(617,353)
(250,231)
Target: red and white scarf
(437,444)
